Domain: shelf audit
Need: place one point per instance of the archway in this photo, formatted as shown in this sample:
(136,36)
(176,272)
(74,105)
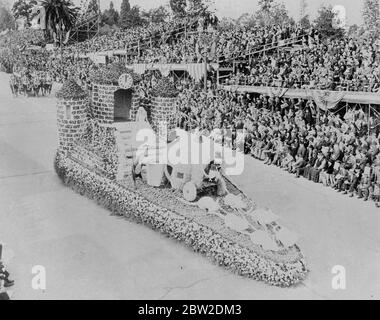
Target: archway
(122,105)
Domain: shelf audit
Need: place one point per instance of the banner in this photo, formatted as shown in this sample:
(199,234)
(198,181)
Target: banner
(276,92)
(326,100)
(195,70)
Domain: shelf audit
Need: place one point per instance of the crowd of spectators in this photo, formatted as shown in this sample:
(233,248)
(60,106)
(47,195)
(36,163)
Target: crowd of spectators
(13,43)
(129,38)
(339,150)
(327,148)
(222,44)
(340,65)
(307,61)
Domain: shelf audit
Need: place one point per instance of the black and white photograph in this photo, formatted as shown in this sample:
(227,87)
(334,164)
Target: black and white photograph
(189,150)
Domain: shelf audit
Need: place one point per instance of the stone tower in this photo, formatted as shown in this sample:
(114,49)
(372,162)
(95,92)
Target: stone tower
(72,104)
(103,103)
(163,111)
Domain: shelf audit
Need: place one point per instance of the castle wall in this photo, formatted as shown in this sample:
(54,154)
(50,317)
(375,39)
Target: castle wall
(163,112)
(103,103)
(71,122)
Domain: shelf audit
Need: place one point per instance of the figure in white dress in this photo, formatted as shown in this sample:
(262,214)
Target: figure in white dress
(141,115)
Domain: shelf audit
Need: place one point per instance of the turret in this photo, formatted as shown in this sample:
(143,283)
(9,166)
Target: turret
(72,103)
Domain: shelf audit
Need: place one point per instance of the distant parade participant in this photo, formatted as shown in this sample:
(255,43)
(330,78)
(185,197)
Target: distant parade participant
(48,82)
(36,85)
(31,83)
(5,281)
(14,84)
(25,83)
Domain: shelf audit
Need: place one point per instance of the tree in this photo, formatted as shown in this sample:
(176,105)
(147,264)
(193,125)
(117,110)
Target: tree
(23,9)
(124,12)
(129,17)
(92,7)
(6,18)
(156,15)
(303,8)
(178,7)
(304,17)
(271,13)
(110,16)
(134,18)
(371,15)
(305,22)
(226,24)
(108,30)
(246,20)
(324,23)
(198,7)
(266,5)
(61,16)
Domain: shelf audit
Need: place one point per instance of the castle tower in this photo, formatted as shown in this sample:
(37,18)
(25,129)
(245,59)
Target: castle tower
(114,98)
(163,107)
(72,104)
(105,109)
(163,114)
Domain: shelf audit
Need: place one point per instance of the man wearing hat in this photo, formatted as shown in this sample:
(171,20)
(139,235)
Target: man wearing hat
(4,274)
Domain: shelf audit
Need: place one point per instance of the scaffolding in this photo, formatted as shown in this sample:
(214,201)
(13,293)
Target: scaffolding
(87,26)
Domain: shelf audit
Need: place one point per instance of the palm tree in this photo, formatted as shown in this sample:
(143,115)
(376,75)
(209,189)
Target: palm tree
(61,16)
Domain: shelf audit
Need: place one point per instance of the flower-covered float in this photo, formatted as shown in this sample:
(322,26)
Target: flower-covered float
(194,203)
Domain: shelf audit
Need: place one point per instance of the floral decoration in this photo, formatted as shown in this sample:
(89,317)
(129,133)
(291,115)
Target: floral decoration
(71,90)
(111,73)
(125,202)
(165,88)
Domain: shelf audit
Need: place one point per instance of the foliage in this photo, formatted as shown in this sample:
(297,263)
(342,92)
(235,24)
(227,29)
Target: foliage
(157,15)
(101,142)
(131,204)
(6,18)
(125,8)
(324,23)
(108,29)
(178,7)
(226,24)
(192,8)
(246,19)
(271,13)
(92,7)
(165,88)
(110,16)
(371,16)
(198,8)
(61,16)
(305,22)
(303,8)
(111,73)
(354,31)
(23,9)
(129,17)
(71,90)
(266,5)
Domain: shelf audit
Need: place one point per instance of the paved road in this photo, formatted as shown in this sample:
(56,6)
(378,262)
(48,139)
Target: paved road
(89,254)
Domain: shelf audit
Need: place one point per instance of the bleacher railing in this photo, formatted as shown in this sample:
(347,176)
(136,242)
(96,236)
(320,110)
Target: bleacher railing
(347,85)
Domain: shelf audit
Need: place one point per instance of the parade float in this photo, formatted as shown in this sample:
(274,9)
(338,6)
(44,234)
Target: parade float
(99,157)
